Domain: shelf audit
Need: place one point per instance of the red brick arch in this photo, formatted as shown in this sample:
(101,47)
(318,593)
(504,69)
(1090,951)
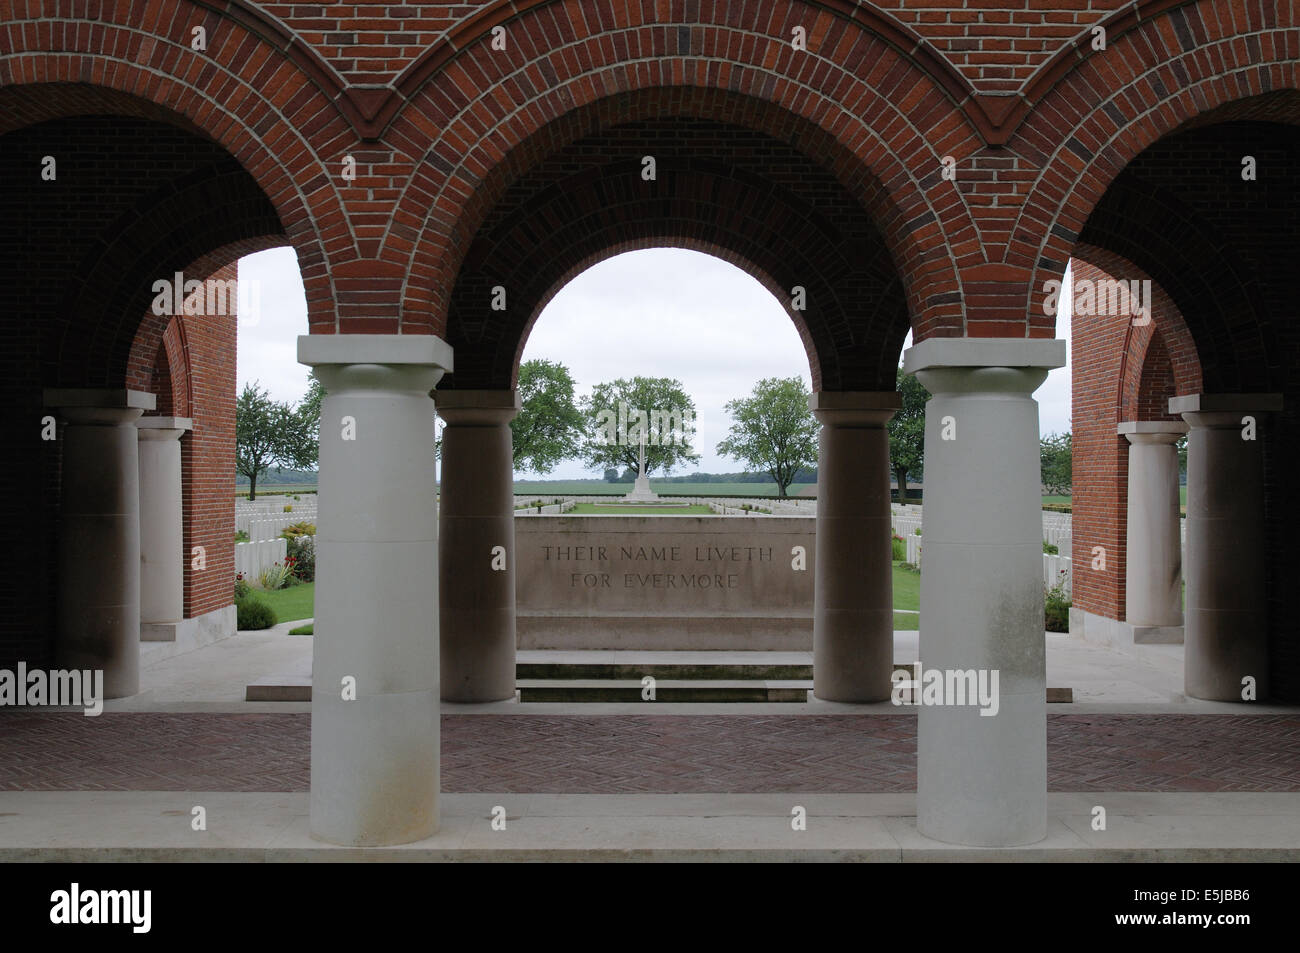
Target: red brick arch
(271,103)
(490,115)
(1167,72)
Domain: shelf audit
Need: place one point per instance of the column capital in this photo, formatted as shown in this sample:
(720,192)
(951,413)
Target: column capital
(382,362)
(99,405)
(164,428)
(477,407)
(1222,410)
(857,408)
(1152,431)
(988,365)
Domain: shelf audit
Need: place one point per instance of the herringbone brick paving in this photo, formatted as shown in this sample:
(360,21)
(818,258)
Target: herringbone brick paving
(640,754)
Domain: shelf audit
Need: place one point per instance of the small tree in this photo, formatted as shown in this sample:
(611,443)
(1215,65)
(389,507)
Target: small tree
(549,426)
(267,433)
(907,432)
(619,412)
(1057,466)
(611,475)
(773,430)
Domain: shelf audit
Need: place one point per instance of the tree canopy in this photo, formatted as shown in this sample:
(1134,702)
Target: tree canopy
(617,414)
(1055,452)
(272,433)
(773,430)
(907,432)
(549,425)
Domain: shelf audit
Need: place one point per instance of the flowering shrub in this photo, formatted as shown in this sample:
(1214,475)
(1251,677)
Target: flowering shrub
(299,529)
(1056,606)
(241,586)
(273,576)
(302,555)
(898,547)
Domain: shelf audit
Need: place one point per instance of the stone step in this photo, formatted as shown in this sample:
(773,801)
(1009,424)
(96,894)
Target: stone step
(670,690)
(717,671)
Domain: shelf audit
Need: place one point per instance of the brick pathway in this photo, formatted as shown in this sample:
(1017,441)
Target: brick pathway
(630,754)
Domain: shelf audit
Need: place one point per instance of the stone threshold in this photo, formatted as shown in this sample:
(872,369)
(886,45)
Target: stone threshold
(86,827)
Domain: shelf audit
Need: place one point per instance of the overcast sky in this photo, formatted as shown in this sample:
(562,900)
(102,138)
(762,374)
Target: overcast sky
(662,312)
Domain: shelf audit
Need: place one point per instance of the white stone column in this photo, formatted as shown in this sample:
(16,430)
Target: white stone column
(99,535)
(162,529)
(982,778)
(1153,587)
(1226,630)
(477,515)
(853,605)
(374,755)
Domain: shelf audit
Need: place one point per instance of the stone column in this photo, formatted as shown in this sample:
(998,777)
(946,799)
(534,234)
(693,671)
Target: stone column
(99,535)
(982,778)
(1225,635)
(162,539)
(853,606)
(374,724)
(1153,588)
(476,515)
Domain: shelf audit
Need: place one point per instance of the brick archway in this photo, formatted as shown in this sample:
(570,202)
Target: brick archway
(898,125)
(279,111)
(719,188)
(1182,67)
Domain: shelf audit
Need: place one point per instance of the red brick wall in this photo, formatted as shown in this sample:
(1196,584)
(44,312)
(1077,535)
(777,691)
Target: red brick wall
(208,457)
(1119,372)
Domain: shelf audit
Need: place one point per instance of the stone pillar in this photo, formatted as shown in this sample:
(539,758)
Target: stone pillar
(476,515)
(1225,634)
(853,606)
(162,539)
(1153,587)
(374,723)
(982,778)
(99,535)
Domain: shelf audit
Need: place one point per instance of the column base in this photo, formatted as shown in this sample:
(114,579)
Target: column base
(161,640)
(1099,630)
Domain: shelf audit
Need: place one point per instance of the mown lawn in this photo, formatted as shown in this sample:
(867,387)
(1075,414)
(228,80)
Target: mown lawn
(291,604)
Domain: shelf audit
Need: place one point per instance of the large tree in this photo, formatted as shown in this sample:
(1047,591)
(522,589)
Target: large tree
(1056,455)
(306,455)
(267,433)
(619,412)
(773,430)
(549,425)
(907,432)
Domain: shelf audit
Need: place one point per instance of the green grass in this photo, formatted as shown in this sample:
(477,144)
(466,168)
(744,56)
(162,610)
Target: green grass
(294,602)
(907,588)
(307,629)
(695,509)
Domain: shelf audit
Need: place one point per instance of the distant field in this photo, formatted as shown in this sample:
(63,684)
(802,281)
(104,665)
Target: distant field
(301,489)
(695,509)
(578,488)
(1182,498)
